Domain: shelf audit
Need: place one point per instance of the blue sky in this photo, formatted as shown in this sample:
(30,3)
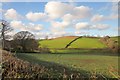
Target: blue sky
(54,19)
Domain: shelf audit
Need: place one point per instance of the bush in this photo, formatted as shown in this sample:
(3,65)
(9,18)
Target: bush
(44,50)
(13,67)
(110,43)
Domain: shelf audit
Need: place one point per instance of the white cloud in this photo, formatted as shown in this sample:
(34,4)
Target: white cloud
(12,14)
(67,12)
(61,33)
(68,18)
(58,9)
(66,22)
(82,12)
(58,34)
(34,27)
(100,26)
(82,25)
(97,18)
(50,35)
(18,25)
(112,8)
(86,26)
(60,25)
(56,24)
(40,35)
(61,16)
(35,16)
(80,32)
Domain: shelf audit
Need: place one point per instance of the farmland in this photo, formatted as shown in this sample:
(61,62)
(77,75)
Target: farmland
(80,62)
(87,43)
(83,44)
(87,54)
(56,43)
(85,57)
(80,43)
(59,40)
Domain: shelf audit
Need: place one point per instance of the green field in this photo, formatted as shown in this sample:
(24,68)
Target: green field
(56,43)
(85,55)
(88,43)
(116,39)
(80,43)
(79,62)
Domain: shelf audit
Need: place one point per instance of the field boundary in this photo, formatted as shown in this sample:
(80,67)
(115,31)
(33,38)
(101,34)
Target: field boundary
(80,48)
(72,41)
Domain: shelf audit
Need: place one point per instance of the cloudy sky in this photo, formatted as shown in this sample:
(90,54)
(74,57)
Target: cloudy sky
(55,18)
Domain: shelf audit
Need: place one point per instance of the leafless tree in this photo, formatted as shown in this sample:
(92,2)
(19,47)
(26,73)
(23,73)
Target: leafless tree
(25,41)
(4,30)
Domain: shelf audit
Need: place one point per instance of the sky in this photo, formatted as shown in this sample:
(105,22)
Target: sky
(55,18)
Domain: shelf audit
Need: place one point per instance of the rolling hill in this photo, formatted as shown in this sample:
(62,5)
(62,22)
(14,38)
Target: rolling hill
(87,43)
(83,42)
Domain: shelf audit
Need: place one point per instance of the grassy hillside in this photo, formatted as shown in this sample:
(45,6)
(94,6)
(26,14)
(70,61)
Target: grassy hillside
(57,42)
(116,39)
(80,43)
(87,43)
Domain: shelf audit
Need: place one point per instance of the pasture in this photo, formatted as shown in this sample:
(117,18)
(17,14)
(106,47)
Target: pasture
(87,43)
(80,43)
(56,43)
(83,63)
(87,56)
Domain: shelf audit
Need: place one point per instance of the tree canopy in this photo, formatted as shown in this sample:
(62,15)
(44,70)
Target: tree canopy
(24,41)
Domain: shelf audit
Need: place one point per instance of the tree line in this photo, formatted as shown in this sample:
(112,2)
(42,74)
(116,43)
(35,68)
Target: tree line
(23,41)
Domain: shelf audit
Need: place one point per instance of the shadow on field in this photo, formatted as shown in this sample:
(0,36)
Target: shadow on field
(55,68)
(102,52)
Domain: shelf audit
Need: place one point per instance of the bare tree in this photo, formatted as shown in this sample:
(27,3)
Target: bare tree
(4,30)
(25,41)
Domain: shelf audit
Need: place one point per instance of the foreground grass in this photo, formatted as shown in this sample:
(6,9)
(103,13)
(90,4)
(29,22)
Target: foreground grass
(83,63)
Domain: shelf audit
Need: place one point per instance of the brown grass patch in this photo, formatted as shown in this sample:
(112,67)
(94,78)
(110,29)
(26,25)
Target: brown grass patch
(70,37)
